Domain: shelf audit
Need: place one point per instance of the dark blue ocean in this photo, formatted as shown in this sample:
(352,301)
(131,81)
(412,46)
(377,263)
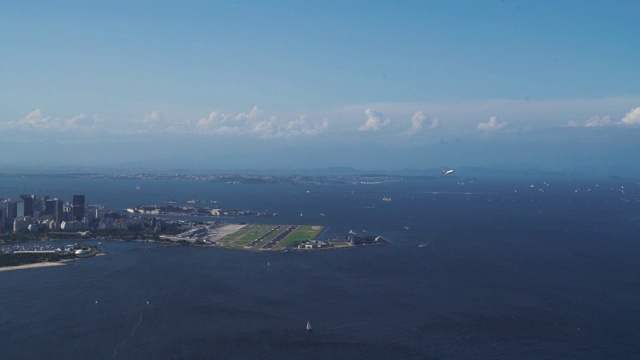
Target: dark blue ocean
(486,268)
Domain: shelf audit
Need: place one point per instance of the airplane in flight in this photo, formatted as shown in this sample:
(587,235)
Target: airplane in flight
(447,172)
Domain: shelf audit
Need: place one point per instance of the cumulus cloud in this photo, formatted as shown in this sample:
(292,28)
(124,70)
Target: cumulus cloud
(254,114)
(38,121)
(302,126)
(83,121)
(153,120)
(35,120)
(375,120)
(216,122)
(274,127)
(632,117)
(492,125)
(598,121)
(595,121)
(417,123)
(265,127)
(254,123)
(591,122)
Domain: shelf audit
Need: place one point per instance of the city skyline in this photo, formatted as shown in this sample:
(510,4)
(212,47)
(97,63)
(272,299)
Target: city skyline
(371,85)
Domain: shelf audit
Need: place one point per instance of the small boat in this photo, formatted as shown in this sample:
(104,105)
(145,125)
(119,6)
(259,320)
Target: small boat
(406,228)
(309,328)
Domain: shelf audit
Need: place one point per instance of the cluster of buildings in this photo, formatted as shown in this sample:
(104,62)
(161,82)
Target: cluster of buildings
(32,213)
(35,214)
(187,210)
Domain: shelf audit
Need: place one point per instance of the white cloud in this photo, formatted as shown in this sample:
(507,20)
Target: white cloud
(417,123)
(598,121)
(264,128)
(302,126)
(153,120)
(252,115)
(38,121)
(492,125)
(215,123)
(632,117)
(375,120)
(595,121)
(83,121)
(254,124)
(274,127)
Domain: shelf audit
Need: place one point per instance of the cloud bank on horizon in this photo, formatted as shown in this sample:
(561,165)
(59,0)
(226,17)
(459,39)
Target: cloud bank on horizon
(304,75)
(259,124)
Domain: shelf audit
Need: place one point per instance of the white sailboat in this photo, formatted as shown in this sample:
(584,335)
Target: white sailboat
(309,328)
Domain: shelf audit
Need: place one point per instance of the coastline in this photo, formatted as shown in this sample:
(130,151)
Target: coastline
(34,265)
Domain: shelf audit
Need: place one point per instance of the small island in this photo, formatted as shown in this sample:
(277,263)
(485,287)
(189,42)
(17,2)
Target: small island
(264,237)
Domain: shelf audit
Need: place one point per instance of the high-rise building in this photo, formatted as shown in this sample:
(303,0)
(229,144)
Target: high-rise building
(58,211)
(12,210)
(20,209)
(28,201)
(50,207)
(77,207)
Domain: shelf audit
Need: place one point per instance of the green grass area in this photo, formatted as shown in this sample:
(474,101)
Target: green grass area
(246,235)
(301,234)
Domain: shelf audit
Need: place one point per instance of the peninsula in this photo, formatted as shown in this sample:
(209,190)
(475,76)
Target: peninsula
(21,257)
(180,222)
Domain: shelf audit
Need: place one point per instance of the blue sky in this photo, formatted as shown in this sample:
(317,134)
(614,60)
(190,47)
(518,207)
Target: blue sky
(367,84)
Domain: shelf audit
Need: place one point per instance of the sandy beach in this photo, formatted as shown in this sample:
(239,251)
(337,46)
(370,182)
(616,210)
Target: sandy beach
(28,266)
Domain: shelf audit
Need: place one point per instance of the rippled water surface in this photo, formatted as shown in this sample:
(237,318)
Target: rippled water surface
(474,271)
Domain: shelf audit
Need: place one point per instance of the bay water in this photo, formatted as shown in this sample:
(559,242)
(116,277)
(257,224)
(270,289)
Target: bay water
(474,269)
